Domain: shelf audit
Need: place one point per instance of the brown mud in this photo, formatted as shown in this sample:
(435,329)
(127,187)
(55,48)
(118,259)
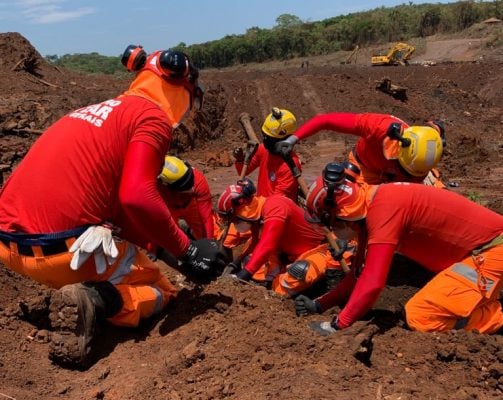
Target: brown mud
(237,341)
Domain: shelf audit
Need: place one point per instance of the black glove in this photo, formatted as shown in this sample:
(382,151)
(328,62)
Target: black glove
(333,276)
(305,306)
(283,148)
(204,256)
(239,154)
(343,246)
(244,275)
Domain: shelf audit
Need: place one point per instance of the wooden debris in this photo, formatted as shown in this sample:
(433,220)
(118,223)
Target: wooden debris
(44,82)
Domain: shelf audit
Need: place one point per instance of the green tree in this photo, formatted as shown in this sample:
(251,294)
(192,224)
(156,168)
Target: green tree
(287,21)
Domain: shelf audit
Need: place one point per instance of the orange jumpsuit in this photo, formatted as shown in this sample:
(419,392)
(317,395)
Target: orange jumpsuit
(286,234)
(447,234)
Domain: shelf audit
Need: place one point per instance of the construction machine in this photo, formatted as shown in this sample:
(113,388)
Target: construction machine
(399,54)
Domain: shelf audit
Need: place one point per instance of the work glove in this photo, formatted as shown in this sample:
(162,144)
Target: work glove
(356,339)
(324,328)
(244,275)
(239,154)
(333,276)
(204,257)
(305,306)
(98,241)
(230,268)
(337,254)
(285,147)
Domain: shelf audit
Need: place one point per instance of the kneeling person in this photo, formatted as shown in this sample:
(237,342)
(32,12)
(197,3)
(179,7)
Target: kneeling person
(279,230)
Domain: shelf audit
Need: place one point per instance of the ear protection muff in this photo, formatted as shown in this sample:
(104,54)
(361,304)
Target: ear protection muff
(440,127)
(395,131)
(248,187)
(174,64)
(134,58)
(333,175)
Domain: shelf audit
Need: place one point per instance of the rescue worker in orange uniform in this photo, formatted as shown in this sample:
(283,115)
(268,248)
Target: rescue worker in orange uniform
(287,253)
(87,191)
(459,240)
(388,150)
(187,195)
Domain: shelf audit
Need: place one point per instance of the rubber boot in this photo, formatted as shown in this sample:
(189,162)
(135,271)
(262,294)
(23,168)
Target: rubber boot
(75,311)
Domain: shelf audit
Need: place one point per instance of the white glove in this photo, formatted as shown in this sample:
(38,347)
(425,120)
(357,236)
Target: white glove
(95,240)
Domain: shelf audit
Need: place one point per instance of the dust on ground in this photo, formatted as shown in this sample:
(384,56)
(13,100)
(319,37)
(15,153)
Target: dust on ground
(229,340)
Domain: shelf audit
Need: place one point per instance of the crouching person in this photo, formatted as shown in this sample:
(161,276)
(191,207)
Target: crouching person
(100,163)
(458,240)
(287,253)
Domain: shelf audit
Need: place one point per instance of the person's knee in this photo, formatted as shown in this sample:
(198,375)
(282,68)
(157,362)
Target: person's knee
(298,270)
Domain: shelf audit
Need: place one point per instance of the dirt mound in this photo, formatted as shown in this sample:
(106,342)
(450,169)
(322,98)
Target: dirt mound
(227,340)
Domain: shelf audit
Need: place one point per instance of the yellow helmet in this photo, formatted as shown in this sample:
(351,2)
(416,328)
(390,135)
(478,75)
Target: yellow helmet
(177,174)
(421,150)
(279,124)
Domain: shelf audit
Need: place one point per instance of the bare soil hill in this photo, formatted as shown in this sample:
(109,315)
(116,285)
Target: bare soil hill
(235,341)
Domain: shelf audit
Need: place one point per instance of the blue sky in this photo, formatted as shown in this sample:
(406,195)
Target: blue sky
(108,26)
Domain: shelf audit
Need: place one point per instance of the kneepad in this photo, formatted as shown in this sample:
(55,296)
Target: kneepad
(298,269)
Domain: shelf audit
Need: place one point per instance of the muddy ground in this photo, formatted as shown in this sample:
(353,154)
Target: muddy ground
(229,340)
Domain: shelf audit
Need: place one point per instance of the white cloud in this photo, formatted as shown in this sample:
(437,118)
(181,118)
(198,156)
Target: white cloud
(50,11)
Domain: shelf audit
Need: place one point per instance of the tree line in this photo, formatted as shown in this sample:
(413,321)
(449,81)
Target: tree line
(291,37)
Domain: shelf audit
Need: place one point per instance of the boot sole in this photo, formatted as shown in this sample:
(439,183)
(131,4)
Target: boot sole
(69,345)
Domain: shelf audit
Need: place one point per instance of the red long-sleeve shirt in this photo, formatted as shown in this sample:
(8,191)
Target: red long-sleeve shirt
(98,163)
(433,227)
(285,230)
(274,176)
(372,129)
(195,206)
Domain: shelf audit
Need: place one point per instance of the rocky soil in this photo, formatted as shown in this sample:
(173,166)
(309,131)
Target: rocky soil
(235,341)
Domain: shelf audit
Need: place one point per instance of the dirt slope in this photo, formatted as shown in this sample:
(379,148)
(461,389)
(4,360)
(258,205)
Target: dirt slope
(227,340)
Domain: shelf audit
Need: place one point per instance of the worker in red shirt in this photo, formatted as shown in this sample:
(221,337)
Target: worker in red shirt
(187,195)
(458,240)
(274,175)
(287,253)
(388,149)
(87,191)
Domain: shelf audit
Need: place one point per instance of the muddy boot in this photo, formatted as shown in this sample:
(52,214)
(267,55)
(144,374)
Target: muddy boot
(74,312)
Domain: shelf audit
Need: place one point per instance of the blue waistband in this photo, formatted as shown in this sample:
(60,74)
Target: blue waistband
(41,239)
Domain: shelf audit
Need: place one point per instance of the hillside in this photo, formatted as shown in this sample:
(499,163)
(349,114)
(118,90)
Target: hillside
(235,341)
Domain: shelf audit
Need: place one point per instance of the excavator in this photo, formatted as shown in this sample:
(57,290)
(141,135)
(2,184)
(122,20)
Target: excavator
(399,54)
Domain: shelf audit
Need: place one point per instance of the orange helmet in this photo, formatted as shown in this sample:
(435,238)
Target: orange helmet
(235,196)
(336,195)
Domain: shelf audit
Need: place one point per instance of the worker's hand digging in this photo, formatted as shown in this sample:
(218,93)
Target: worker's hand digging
(305,306)
(204,257)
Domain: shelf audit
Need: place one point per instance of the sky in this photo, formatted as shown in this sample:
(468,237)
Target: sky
(58,27)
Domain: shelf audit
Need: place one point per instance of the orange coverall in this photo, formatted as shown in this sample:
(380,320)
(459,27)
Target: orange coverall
(446,233)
